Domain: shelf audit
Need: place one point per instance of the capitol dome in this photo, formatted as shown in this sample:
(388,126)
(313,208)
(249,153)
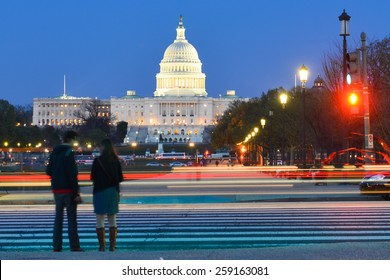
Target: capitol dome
(181,52)
(180,69)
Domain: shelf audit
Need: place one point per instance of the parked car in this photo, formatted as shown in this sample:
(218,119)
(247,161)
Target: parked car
(84,159)
(376,184)
(177,164)
(154,163)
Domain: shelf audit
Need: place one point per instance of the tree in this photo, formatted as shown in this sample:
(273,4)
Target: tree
(51,136)
(24,114)
(7,121)
(241,118)
(95,121)
(28,134)
(378,53)
(94,137)
(120,132)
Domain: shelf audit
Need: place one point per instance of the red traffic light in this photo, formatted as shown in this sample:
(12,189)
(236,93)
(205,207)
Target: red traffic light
(353,98)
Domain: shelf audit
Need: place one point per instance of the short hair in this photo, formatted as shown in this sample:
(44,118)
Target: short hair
(70,135)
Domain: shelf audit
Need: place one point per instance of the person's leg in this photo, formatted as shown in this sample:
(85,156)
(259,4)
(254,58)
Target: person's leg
(58,222)
(113,231)
(71,209)
(111,220)
(101,234)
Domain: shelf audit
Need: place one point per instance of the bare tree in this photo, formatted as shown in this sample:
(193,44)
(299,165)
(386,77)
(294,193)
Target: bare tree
(378,56)
(379,81)
(332,67)
(94,116)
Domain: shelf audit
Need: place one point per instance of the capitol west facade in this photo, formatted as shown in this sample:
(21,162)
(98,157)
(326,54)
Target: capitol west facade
(180,110)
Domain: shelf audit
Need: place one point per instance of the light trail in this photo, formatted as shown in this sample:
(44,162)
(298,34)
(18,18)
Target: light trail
(231,186)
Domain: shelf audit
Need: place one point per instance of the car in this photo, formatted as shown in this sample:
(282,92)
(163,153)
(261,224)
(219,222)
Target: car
(376,184)
(154,163)
(177,164)
(84,159)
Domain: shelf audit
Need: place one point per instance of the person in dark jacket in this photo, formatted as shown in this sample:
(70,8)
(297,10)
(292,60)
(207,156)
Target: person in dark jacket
(106,175)
(63,172)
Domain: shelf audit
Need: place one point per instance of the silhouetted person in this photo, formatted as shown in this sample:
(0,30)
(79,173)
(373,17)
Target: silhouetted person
(63,172)
(106,175)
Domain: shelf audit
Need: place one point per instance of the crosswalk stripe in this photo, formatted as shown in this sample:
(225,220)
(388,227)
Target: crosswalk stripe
(201,228)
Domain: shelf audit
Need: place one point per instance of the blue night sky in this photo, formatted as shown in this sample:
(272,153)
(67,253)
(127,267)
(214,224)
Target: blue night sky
(108,47)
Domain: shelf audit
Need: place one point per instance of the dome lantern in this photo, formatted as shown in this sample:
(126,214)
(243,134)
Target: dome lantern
(180,31)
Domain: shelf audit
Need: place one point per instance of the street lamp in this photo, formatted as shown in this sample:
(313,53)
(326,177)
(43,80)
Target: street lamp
(262,123)
(344,19)
(270,146)
(256,130)
(303,74)
(283,100)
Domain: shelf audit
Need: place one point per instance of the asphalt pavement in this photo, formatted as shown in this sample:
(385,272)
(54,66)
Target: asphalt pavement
(335,251)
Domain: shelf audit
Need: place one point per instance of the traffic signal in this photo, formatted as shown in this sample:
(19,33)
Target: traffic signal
(353,99)
(353,67)
(355,102)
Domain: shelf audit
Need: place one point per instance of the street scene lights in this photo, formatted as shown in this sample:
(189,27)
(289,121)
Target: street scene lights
(262,123)
(303,75)
(283,100)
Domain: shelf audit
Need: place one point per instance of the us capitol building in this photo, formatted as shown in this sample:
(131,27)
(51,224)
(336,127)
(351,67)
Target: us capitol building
(180,110)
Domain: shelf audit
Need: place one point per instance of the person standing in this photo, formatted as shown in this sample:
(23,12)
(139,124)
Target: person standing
(63,172)
(106,175)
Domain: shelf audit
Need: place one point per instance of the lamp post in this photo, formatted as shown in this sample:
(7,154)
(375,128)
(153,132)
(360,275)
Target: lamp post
(283,100)
(253,160)
(262,123)
(344,19)
(255,131)
(249,137)
(303,74)
(271,148)
(191,145)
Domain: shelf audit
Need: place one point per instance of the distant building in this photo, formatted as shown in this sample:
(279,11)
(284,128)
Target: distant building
(62,110)
(180,110)
(319,82)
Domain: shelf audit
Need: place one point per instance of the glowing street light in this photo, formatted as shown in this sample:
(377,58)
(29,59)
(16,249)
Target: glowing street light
(262,122)
(283,100)
(303,75)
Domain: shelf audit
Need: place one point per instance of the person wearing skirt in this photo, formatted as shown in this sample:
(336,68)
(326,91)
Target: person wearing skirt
(106,176)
